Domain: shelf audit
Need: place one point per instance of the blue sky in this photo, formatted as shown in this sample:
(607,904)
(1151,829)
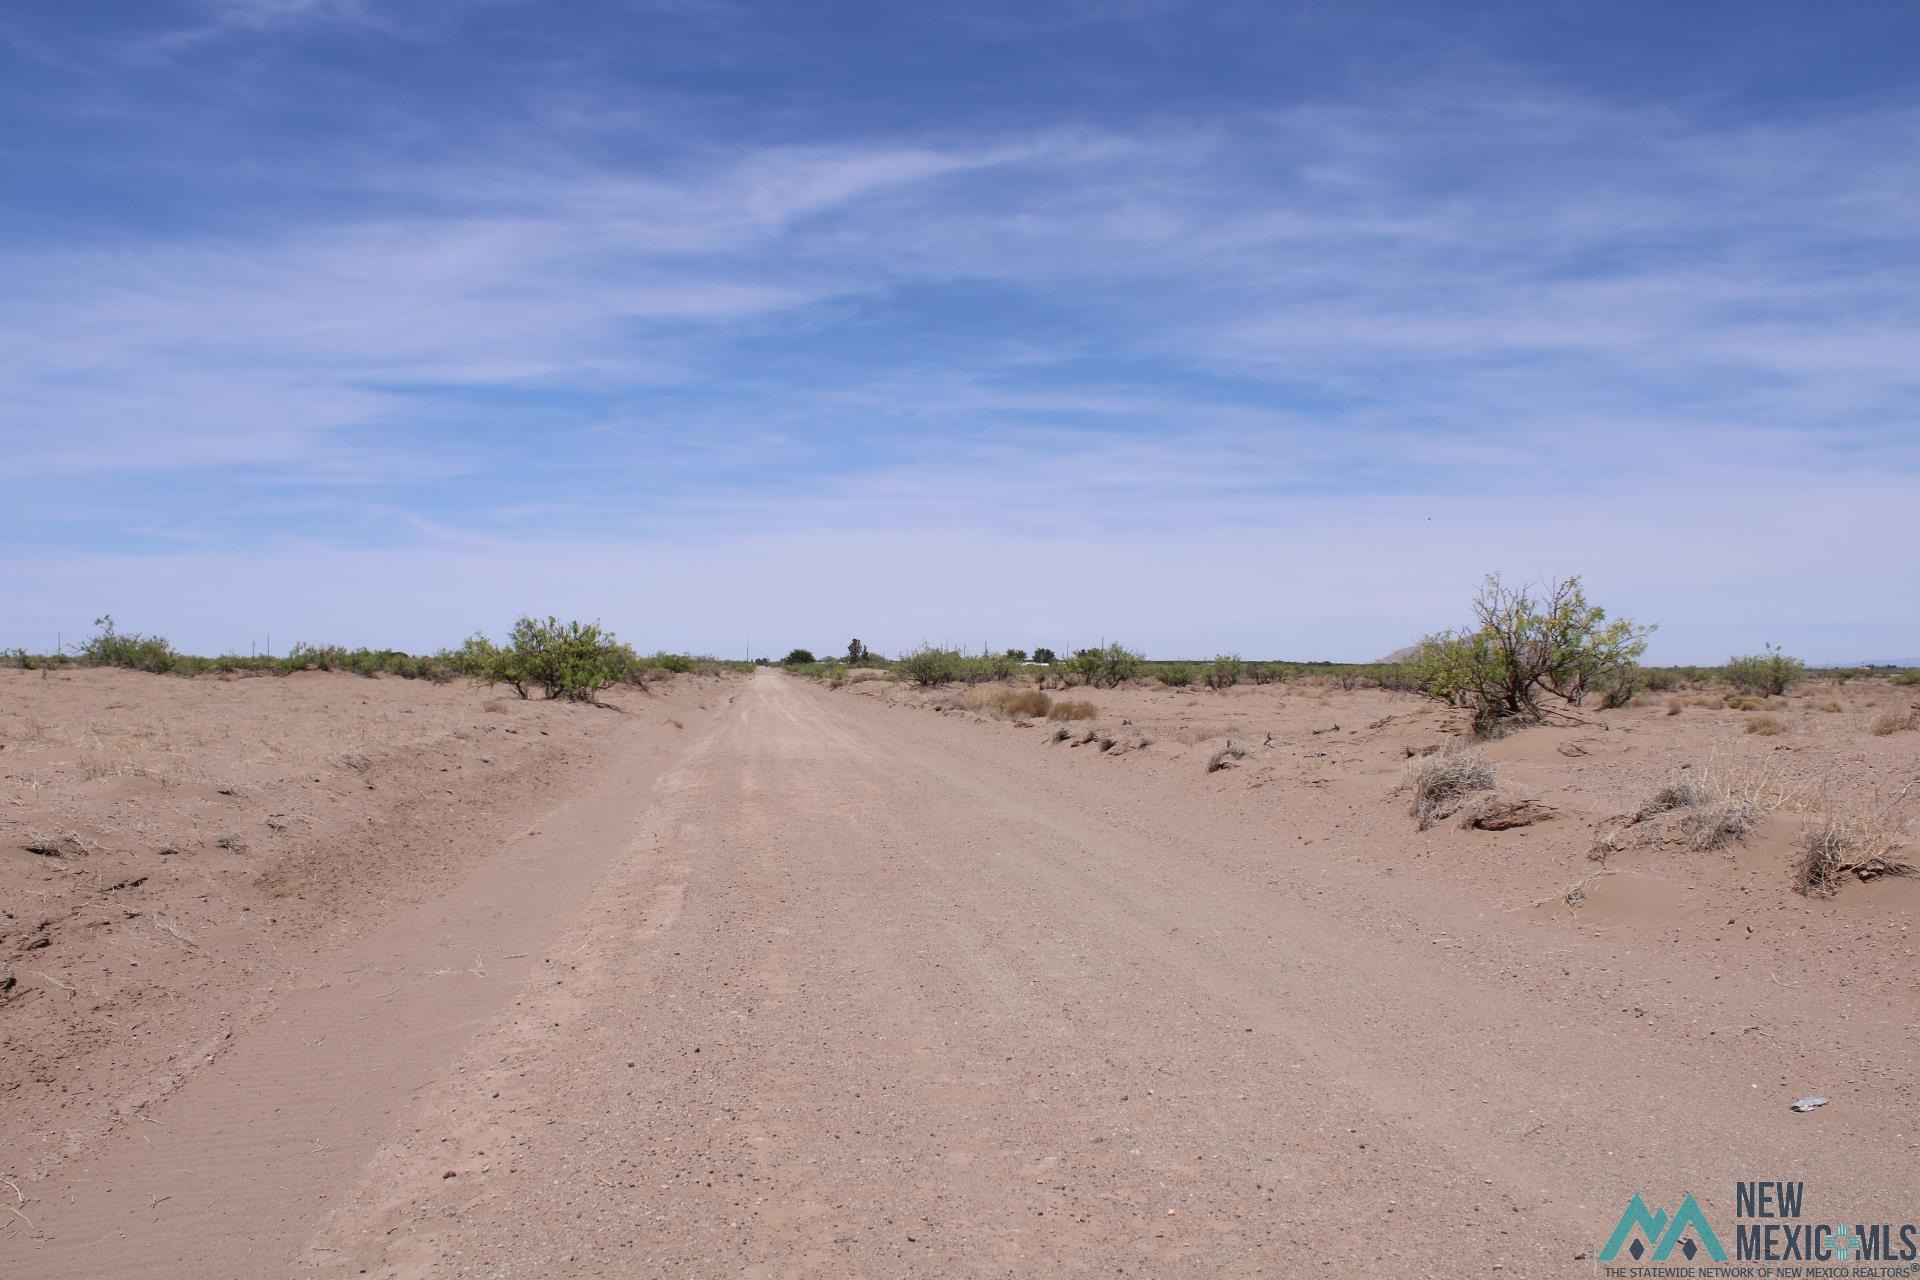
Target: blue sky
(1209,327)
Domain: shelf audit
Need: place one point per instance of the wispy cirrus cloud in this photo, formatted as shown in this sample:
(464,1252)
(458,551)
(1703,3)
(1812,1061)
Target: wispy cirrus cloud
(698,318)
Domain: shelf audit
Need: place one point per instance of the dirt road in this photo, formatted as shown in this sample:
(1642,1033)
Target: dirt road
(851,992)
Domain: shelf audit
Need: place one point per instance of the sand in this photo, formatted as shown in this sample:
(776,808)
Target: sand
(865,982)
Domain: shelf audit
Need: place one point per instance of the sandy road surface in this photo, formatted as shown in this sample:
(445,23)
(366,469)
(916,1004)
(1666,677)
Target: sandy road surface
(858,995)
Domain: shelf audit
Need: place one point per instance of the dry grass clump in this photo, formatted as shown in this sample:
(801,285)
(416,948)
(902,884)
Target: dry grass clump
(1019,703)
(1072,709)
(1118,742)
(1743,703)
(1715,809)
(1683,789)
(1766,726)
(1892,722)
(1837,849)
(860,675)
(1717,825)
(1673,706)
(1234,750)
(1831,706)
(1442,783)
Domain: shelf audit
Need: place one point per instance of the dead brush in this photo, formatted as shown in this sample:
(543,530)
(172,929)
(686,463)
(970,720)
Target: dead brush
(1717,825)
(1842,845)
(1888,723)
(1443,782)
(1019,703)
(1716,808)
(1234,750)
(1683,789)
(1836,849)
(1072,709)
(1766,726)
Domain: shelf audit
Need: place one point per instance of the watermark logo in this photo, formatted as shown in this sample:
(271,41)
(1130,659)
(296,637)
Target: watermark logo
(1773,1239)
(1642,1228)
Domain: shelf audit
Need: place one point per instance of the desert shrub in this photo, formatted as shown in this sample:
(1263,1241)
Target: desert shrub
(1660,679)
(928,665)
(1766,726)
(1106,668)
(1768,674)
(1673,706)
(990,666)
(678,663)
(1444,781)
(798,658)
(1891,722)
(334,657)
(1072,709)
(570,660)
(1907,678)
(111,647)
(1225,671)
(1175,675)
(1525,648)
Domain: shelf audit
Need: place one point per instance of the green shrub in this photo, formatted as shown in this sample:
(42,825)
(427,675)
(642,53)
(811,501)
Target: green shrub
(1907,677)
(1525,648)
(928,665)
(797,658)
(1106,667)
(1225,671)
(992,666)
(571,660)
(114,648)
(1175,675)
(1769,673)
